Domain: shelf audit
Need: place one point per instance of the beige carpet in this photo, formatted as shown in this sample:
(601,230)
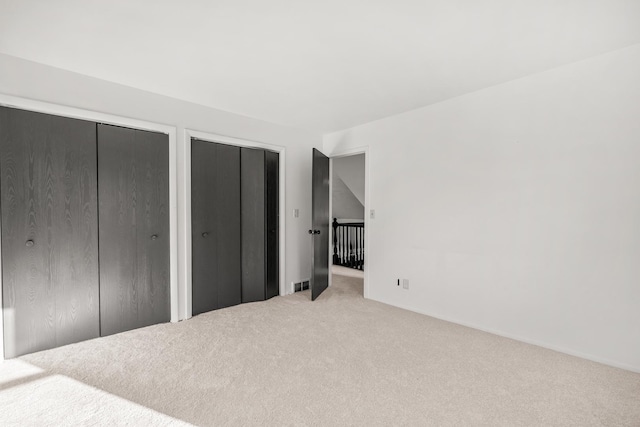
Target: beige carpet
(340,360)
(346,271)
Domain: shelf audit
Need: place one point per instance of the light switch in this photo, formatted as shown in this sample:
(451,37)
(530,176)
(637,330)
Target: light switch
(372,214)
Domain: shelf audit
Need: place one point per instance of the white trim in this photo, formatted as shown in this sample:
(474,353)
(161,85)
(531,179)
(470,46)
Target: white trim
(330,258)
(186,209)
(559,349)
(367,204)
(78,113)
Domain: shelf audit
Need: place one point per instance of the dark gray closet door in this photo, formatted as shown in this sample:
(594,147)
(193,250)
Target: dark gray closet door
(253,203)
(49,231)
(215,224)
(272,216)
(204,247)
(133,184)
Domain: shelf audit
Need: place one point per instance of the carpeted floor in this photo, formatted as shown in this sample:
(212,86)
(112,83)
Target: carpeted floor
(341,360)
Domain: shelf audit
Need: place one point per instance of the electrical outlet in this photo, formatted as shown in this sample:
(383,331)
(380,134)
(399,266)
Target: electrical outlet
(296,213)
(405,283)
(372,214)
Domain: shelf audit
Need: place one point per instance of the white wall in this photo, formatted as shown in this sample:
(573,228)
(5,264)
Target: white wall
(40,82)
(516,209)
(344,203)
(351,170)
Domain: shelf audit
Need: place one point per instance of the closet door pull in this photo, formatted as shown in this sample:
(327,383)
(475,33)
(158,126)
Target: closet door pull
(29,243)
(154,236)
(205,234)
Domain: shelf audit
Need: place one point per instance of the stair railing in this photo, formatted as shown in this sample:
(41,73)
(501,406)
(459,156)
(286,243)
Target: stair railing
(348,244)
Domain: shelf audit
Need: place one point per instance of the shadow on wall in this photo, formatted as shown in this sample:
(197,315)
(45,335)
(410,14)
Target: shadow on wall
(348,187)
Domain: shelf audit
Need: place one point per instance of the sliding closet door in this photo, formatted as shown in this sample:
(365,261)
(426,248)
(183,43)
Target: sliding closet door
(133,173)
(215,223)
(272,210)
(49,231)
(253,187)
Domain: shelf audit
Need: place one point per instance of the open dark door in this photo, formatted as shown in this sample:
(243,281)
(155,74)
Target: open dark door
(320,223)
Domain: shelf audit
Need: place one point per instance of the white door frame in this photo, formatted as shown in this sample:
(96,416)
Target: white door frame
(367,204)
(186,254)
(94,116)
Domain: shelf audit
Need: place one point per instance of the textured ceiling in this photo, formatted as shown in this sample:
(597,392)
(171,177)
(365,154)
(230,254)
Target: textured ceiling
(320,65)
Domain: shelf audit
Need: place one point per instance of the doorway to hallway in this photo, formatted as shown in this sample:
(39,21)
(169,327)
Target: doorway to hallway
(339,191)
(348,201)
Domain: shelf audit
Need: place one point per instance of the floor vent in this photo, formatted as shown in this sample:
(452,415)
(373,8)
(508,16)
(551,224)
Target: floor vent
(301,286)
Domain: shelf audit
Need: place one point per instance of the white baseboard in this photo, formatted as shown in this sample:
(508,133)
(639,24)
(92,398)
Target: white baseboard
(570,352)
